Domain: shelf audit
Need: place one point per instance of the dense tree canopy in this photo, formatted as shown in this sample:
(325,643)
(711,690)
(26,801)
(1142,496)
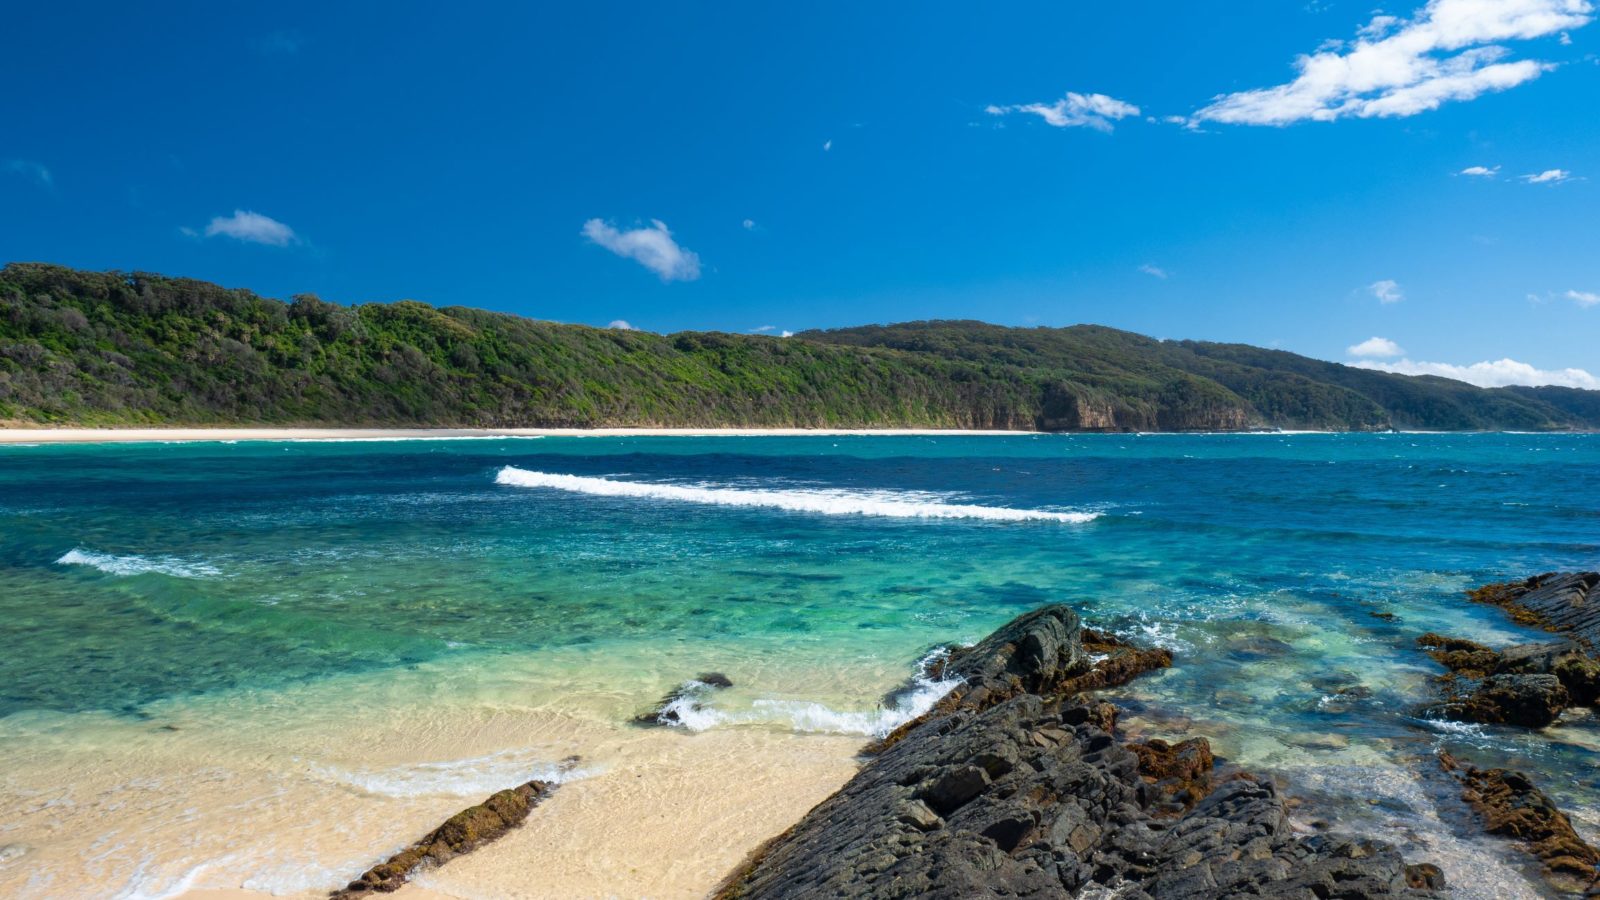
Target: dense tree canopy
(141,349)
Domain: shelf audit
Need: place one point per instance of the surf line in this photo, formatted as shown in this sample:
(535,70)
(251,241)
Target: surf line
(890,504)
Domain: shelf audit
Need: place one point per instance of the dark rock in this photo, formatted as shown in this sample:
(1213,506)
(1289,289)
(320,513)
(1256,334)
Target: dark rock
(1041,652)
(685,697)
(1532,701)
(1527,684)
(1511,806)
(461,833)
(1566,660)
(1039,799)
(1565,602)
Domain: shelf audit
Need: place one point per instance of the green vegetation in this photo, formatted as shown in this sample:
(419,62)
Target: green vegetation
(95,348)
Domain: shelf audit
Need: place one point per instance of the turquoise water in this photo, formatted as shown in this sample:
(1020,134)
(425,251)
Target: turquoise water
(135,579)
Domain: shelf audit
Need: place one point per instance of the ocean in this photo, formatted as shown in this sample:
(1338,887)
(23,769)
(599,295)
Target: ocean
(268,664)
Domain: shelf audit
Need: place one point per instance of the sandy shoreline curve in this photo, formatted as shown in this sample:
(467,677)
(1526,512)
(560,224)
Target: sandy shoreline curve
(174,435)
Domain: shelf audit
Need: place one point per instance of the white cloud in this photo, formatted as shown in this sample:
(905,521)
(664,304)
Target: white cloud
(1154,271)
(1449,50)
(253,228)
(621,325)
(1548,176)
(764,329)
(1583,298)
(787,334)
(651,247)
(749,224)
(1387,291)
(1376,348)
(827,145)
(1481,171)
(1075,110)
(27,168)
(1499,373)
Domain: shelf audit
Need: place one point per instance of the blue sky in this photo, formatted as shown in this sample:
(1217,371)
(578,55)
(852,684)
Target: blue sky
(1285,174)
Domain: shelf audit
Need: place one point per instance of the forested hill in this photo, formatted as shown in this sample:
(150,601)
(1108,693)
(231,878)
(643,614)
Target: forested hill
(139,349)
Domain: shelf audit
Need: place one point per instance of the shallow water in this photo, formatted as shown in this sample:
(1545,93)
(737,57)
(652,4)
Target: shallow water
(366,633)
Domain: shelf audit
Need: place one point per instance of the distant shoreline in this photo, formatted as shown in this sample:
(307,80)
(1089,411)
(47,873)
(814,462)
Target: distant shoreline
(229,434)
(173,435)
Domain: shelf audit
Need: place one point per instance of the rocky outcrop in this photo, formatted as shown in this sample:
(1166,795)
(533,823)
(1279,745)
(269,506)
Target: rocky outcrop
(1564,602)
(1512,807)
(461,833)
(1527,684)
(1018,786)
(1045,652)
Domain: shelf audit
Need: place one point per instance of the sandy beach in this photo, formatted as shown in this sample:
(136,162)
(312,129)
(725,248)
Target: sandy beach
(148,435)
(288,796)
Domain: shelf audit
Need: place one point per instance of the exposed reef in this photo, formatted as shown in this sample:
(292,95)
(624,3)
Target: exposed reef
(1527,685)
(461,833)
(1511,806)
(1554,601)
(1016,784)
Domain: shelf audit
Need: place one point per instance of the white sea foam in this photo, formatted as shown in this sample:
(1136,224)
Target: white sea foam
(811,717)
(833,502)
(473,777)
(138,565)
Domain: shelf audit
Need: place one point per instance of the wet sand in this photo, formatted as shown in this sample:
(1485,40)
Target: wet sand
(294,795)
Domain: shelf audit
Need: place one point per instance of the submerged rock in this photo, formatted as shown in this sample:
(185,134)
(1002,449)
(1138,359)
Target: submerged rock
(1017,786)
(1512,806)
(684,700)
(461,833)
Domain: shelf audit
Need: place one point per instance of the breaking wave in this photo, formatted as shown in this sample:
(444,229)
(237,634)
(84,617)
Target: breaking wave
(137,565)
(833,502)
(807,716)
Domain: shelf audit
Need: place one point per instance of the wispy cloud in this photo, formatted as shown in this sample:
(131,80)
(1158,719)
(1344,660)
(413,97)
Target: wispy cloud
(1075,110)
(1387,291)
(1583,298)
(1154,271)
(1376,348)
(651,247)
(1481,171)
(27,168)
(1450,50)
(251,227)
(1499,373)
(763,329)
(1548,176)
(827,145)
(280,43)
